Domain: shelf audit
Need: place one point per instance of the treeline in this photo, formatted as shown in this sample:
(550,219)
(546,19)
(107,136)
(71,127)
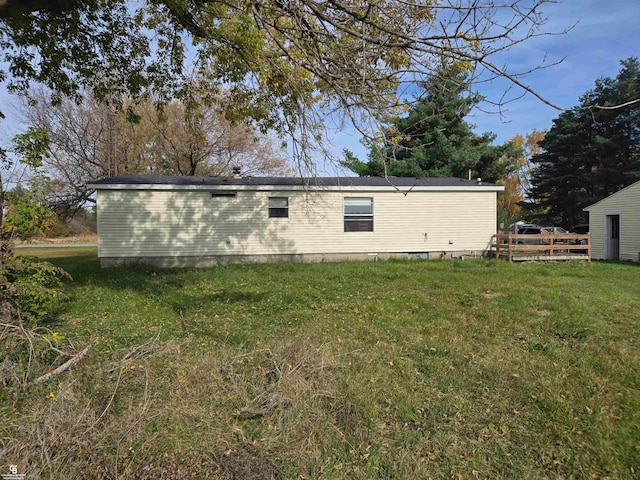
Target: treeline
(590,152)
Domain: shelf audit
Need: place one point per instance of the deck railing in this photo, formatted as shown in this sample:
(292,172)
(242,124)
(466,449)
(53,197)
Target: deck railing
(545,246)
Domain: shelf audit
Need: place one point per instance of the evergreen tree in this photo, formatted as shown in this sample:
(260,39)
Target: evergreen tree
(590,153)
(434,140)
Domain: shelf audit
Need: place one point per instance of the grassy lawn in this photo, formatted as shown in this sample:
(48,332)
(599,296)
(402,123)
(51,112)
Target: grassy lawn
(354,370)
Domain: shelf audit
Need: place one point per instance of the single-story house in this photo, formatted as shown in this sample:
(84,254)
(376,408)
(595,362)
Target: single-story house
(614,224)
(197,221)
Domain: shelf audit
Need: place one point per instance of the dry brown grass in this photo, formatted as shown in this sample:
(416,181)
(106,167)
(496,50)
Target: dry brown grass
(57,438)
(144,418)
(90,238)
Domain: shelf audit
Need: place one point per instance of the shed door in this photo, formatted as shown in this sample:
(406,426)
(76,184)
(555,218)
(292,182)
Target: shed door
(612,244)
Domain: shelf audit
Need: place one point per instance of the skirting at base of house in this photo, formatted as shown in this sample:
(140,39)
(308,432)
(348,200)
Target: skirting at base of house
(214,260)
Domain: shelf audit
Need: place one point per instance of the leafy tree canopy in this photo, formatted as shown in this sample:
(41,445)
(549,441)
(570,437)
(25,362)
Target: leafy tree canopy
(91,140)
(27,212)
(434,140)
(285,65)
(517,184)
(590,153)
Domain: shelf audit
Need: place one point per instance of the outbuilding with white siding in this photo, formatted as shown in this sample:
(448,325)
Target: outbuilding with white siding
(199,221)
(614,224)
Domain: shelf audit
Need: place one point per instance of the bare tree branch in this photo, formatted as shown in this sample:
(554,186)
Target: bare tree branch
(65,366)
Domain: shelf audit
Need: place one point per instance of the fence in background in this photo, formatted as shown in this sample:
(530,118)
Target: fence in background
(545,247)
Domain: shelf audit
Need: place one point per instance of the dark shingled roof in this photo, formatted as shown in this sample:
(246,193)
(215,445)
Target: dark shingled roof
(289,181)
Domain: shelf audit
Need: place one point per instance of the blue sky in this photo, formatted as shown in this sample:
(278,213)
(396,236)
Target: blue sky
(607,32)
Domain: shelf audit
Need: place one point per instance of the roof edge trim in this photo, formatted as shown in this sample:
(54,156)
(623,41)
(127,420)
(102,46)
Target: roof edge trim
(588,208)
(318,188)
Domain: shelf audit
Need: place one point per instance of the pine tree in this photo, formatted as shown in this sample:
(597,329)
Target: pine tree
(434,140)
(590,153)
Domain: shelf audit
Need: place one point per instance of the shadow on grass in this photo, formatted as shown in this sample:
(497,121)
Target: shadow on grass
(172,288)
(187,302)
(626,263)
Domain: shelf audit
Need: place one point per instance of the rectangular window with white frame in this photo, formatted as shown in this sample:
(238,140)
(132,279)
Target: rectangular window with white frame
(358,214)
(278,207)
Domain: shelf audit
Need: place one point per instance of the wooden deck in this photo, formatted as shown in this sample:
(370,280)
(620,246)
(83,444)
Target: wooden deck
(543,247)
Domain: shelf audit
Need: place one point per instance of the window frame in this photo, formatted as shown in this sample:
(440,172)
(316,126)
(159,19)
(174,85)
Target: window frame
(278,211)
(359,219)
(228,195)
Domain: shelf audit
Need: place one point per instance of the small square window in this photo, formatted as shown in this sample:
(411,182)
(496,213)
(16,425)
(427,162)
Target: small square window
(278,207)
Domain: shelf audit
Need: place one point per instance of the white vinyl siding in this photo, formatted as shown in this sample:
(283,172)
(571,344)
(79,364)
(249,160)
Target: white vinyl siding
(626,204)
(597,229)
(133,223)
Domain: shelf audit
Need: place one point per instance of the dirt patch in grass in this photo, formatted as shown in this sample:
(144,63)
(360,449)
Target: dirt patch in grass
(187,464)
(492,294)
(246,462)
(62,240)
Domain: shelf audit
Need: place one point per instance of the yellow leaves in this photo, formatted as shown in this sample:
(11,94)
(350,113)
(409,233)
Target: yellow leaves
(55,338)
(509,200)
(394,137)
(395,140)
(458,67)
(52,396)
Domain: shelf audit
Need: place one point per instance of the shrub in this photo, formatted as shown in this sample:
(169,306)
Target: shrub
(30,289)
(27,214)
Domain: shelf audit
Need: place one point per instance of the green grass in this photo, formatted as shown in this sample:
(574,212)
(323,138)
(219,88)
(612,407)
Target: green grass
(422,369)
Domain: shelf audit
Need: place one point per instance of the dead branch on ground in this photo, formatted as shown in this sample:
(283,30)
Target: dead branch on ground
(65,366)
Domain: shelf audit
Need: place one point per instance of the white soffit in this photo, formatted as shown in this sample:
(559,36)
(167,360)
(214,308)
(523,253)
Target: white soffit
(312,188)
